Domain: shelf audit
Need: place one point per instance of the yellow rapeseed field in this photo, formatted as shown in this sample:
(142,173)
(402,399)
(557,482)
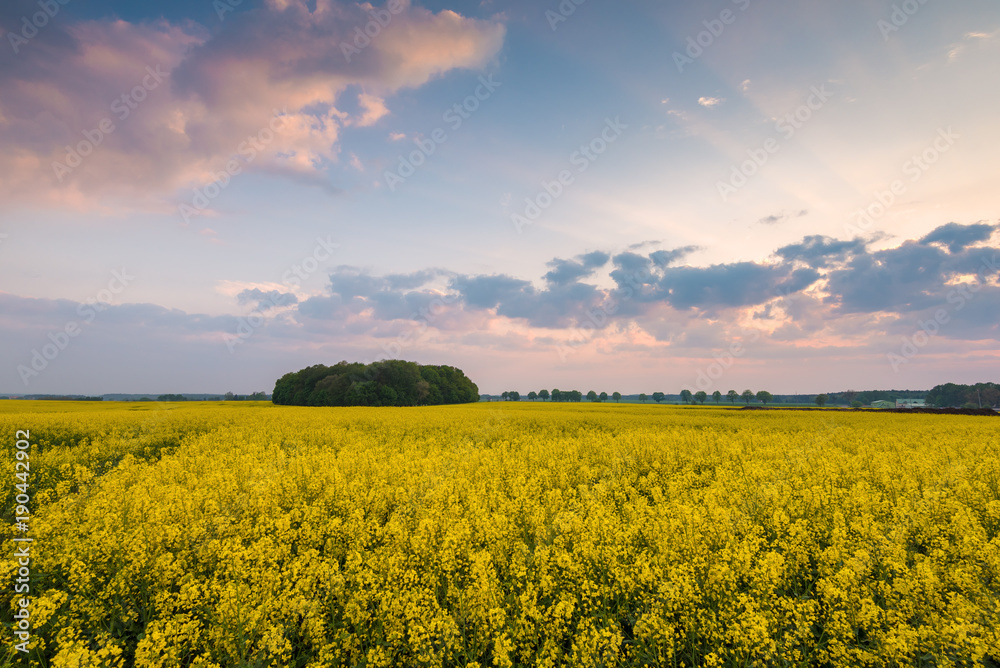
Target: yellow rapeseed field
(244,534)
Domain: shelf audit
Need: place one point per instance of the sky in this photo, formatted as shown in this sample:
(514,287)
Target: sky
(201,196)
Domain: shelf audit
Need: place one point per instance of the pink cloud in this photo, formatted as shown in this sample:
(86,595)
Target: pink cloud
(160,108)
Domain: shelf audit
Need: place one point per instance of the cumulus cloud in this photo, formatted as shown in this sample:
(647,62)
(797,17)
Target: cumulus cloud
(266,301)
(809,285)
(569,271)
(956,237)
(824,291)
(161,107)
(820,251)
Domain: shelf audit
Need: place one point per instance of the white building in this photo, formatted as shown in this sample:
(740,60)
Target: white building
(911,403)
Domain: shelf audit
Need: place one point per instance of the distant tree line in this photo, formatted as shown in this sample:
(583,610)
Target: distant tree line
(50,397)
(985,395)
(950,394)
(386,383)
(866,397)
(256,396)
(559,395)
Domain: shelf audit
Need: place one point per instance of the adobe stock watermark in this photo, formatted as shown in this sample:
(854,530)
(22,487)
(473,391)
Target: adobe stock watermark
(291,278)
(914,168)
(37,21)
(380,20)
(455,116)
(223,7)
(697,44)
(723,361)
(247,150)
(958,299)
(60,339)
(122,107)
(631,283)
(562,13)
(900,16)
(581,159)
(425,317)
(787,126)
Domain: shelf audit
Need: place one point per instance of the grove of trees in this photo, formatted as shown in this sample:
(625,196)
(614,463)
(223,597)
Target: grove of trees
(952,395)
(387,383)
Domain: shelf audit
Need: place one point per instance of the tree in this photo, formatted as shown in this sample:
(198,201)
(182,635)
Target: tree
(643,397)
(659,396)
(557,395)
(532,395)
(514,396)
(543,395)
(747,396)
(686,396)
(717,396)
(385,383)
(591,396)
(701,395)
(858,404)
(733,396)
(229,396)
(991,396)
(821,400)
(604,396)
(617,396)
(764,397)
(505,395)
(849,396)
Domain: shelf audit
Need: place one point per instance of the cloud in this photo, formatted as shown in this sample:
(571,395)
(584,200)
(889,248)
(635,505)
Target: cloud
(916,276)
(819,251)
(194,99)
(710,101)
(776,218)
(816,300)
(570,271)
(819,281)
(664,258)
(956,237)
(265,301)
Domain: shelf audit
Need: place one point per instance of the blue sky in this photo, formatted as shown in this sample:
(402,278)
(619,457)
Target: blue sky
(696,170)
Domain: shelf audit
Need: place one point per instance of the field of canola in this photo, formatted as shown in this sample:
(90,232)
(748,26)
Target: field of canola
(245,534)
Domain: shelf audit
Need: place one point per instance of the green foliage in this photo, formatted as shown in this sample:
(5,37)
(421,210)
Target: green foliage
(821,400)
(951,394)
(388,383)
